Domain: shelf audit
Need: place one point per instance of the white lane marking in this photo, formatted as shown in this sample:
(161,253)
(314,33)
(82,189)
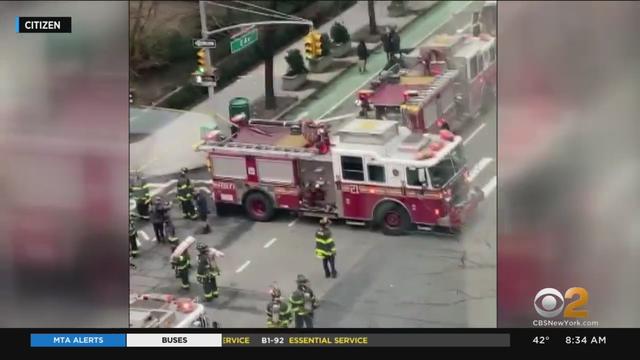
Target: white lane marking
(270,242)
(475,171)
(201,188)
(293,222)
(474,133)
(491,185)
(172,191)
(244,266)
(163,185)
(154,239)
(376,74)
(144,235)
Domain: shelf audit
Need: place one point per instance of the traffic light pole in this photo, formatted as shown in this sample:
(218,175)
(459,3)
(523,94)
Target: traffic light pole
(203,25)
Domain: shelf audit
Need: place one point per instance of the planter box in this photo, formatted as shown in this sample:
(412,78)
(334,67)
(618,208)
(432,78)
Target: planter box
(295,82)
(341,50)
(319,65)
(397,10)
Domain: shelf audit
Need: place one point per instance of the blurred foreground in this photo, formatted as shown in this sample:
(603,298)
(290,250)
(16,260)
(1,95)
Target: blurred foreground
(63,183)
(569,157)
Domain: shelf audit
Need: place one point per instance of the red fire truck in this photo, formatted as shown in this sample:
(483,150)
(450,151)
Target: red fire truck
(451,81)
(366,172)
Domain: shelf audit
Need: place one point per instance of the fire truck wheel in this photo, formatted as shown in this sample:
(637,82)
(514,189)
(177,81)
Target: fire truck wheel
(392,218)
(259,206)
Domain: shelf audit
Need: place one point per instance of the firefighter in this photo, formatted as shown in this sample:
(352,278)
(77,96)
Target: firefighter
(140,192)
(365,105)
(278,311)
(159,213)
(303,303)
(182,264)
(326,248)
(133,238)
(207,272)
(185,195)
(203,211)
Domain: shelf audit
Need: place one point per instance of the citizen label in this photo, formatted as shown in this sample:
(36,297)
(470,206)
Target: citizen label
(43,24)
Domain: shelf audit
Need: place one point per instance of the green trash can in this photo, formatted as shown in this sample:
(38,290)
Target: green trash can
(239,105)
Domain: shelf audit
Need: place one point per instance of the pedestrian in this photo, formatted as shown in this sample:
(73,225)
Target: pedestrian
(139,189)
(203,210)
(278,311)
(363,55)
(133,238)
(158,215)
(394,42)
(326,248)
(386,44)
(181,265)
(303,303)
(207,272)
(185,195)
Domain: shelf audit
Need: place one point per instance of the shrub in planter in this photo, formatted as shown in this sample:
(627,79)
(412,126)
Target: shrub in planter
(339,34)
(296,63)
(296,76)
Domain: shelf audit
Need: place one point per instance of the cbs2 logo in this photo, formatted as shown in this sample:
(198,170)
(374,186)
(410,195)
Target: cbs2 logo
(549,302)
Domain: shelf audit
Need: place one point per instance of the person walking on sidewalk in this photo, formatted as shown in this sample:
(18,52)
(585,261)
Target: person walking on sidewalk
(363,55)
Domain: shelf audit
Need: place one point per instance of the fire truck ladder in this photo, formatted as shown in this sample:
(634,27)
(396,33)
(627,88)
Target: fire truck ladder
(259,149)
(435,87)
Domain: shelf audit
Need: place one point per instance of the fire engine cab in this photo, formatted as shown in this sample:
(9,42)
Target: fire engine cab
(367,171)
(166,311)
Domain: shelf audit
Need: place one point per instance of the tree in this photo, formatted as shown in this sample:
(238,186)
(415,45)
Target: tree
(141,14)
(339,33)
(373,27)
(269,94)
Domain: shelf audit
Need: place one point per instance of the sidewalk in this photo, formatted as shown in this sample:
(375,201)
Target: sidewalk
(175,139)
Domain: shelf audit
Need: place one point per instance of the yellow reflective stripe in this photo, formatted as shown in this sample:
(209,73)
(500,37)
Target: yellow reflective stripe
(135,188)
(182,187)
(322,241)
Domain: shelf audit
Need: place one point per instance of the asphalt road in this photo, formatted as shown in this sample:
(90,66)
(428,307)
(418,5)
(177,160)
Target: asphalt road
(418,280)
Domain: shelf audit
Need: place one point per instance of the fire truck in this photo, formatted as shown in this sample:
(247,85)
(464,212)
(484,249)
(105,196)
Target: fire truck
(451,81)
(366,172)
(166,311)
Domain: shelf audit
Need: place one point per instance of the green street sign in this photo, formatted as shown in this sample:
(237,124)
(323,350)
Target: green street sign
(244,40)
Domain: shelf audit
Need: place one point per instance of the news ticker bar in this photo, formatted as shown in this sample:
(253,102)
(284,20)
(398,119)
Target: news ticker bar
(268,340)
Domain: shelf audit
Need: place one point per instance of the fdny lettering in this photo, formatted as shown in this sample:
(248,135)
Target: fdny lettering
(224,185)
(353,189)
(174,340)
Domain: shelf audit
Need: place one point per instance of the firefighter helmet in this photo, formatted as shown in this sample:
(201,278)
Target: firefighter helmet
(275,291)
(184,170)
(202,247)
(325,221)
(302,279)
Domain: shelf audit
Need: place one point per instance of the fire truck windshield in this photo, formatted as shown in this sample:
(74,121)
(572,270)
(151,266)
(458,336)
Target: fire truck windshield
(447,168)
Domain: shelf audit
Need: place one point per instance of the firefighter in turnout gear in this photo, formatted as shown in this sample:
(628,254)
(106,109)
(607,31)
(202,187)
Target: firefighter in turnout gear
(182,264)
(185,195)
(303,303)
(139,189)
(133,238)
(326,249)
(278,311)
(207,272)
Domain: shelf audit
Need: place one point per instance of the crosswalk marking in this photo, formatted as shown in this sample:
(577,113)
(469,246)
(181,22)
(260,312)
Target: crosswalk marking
(475,171)
(491,185)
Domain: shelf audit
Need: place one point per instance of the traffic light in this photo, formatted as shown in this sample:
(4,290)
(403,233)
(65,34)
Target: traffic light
(202,61)
(309,47)
(317,43)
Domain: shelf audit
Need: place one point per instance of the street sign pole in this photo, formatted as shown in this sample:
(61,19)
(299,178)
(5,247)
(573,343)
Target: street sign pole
(203,25)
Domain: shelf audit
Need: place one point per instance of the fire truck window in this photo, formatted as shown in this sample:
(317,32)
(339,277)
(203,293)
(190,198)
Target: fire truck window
(473,67)
(442,172)
(352,168)
(376,173)
(480,62)
(413,179)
